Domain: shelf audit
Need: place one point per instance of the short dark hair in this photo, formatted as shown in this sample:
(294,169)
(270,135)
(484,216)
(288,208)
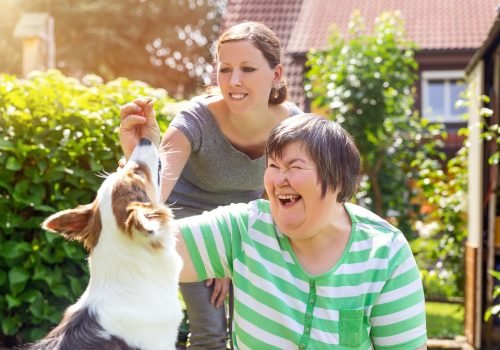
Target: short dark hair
(266,41)
(331,148)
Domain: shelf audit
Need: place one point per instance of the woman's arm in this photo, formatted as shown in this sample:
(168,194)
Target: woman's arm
(174,153)
(188,272)
(138,120)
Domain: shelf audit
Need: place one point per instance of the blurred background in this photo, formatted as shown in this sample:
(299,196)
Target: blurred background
(165,43)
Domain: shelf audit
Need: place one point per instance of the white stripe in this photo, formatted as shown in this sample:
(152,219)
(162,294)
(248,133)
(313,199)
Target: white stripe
(274,269)
(325,337)
(396,245)
(407,265)
(398,316)
(265,217)
(256,215)
(376,223)
(326,314)
(399,293)
(374,227)
(202,248)
(221,249)
(263,239)
(361,245)
(372,264)
(269,313)
(350,291)
(288,257)
(269,287)
(401,337)
(264,336)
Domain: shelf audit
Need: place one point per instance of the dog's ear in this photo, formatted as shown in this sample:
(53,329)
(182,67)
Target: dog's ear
(82,224)
(144,218)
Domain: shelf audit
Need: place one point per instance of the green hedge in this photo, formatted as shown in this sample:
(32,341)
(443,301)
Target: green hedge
(57,135)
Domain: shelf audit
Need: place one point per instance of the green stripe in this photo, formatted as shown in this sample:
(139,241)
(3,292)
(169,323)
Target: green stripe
(194,252)
(399,327)
(413,344)
(213,254)
(266,324)
(398,305)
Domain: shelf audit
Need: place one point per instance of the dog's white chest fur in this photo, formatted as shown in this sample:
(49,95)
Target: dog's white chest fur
(135,295)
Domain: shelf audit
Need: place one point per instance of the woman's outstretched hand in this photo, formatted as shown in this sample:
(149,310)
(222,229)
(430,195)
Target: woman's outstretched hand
(138,120)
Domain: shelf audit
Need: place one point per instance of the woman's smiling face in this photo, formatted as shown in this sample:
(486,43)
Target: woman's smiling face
(294,190)
(244,76)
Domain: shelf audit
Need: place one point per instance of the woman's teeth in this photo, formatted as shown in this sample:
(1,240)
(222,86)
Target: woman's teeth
(237,96)
(288,199)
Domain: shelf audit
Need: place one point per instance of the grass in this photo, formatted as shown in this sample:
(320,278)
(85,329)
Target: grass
(444,320)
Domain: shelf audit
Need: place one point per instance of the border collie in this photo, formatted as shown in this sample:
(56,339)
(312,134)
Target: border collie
(131,301)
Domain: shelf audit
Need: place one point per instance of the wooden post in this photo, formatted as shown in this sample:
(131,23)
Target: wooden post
(36,29)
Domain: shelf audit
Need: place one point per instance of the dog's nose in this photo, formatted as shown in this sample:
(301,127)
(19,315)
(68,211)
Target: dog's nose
(144,142)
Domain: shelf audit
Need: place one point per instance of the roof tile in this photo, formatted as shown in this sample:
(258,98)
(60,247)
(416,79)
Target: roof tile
(432,24)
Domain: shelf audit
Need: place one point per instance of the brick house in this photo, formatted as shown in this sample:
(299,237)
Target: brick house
(447,33)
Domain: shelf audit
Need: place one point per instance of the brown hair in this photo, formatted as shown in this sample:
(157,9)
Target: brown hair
(330,147)
(266,41)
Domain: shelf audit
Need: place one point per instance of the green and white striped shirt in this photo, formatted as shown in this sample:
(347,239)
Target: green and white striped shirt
(372,297)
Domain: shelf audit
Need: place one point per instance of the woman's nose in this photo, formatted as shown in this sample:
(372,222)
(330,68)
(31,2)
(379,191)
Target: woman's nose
(235,79)
(280,178)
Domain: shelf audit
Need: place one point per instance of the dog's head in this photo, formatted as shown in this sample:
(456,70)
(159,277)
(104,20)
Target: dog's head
(127,203)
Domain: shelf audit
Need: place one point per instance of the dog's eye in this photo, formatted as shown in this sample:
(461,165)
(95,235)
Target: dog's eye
(159,171)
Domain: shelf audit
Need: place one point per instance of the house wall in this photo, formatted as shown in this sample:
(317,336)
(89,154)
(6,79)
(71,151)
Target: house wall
(440,60)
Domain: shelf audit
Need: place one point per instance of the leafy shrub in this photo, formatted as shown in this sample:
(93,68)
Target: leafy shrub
(56,135)
(495,309)
(366,82)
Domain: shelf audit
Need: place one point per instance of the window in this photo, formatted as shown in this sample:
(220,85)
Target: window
(440,92)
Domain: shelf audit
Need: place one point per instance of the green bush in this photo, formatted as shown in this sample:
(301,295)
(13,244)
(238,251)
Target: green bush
(57,134)
(366,81)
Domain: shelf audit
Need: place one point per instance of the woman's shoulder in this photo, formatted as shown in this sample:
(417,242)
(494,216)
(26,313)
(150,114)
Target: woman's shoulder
(197,108)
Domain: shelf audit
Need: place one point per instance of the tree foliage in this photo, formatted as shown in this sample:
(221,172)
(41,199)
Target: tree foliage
(366,82)
(165,43)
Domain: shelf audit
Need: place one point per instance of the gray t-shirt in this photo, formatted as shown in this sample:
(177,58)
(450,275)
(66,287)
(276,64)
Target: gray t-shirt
(216,173)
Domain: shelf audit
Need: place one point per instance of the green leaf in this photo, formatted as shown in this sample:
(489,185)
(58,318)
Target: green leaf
(60,290)
(31,295)
(12,301)
(14,250)
(9,326)
(13,164)
(17,279)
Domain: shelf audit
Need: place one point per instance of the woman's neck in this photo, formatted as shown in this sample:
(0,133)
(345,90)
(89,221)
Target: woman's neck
(319,253)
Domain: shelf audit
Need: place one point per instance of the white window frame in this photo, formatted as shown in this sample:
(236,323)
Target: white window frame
(445,75)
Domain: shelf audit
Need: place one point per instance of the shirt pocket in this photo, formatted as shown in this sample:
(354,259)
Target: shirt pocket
(352,328)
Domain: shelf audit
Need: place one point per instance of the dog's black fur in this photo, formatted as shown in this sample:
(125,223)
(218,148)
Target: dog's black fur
(83,332)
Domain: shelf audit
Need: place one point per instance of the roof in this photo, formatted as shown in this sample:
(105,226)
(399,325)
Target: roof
(32,24)
(279,15)
(434,25)
(491,42)
(431,24)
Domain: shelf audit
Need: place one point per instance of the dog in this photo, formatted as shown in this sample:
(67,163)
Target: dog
(131,301)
